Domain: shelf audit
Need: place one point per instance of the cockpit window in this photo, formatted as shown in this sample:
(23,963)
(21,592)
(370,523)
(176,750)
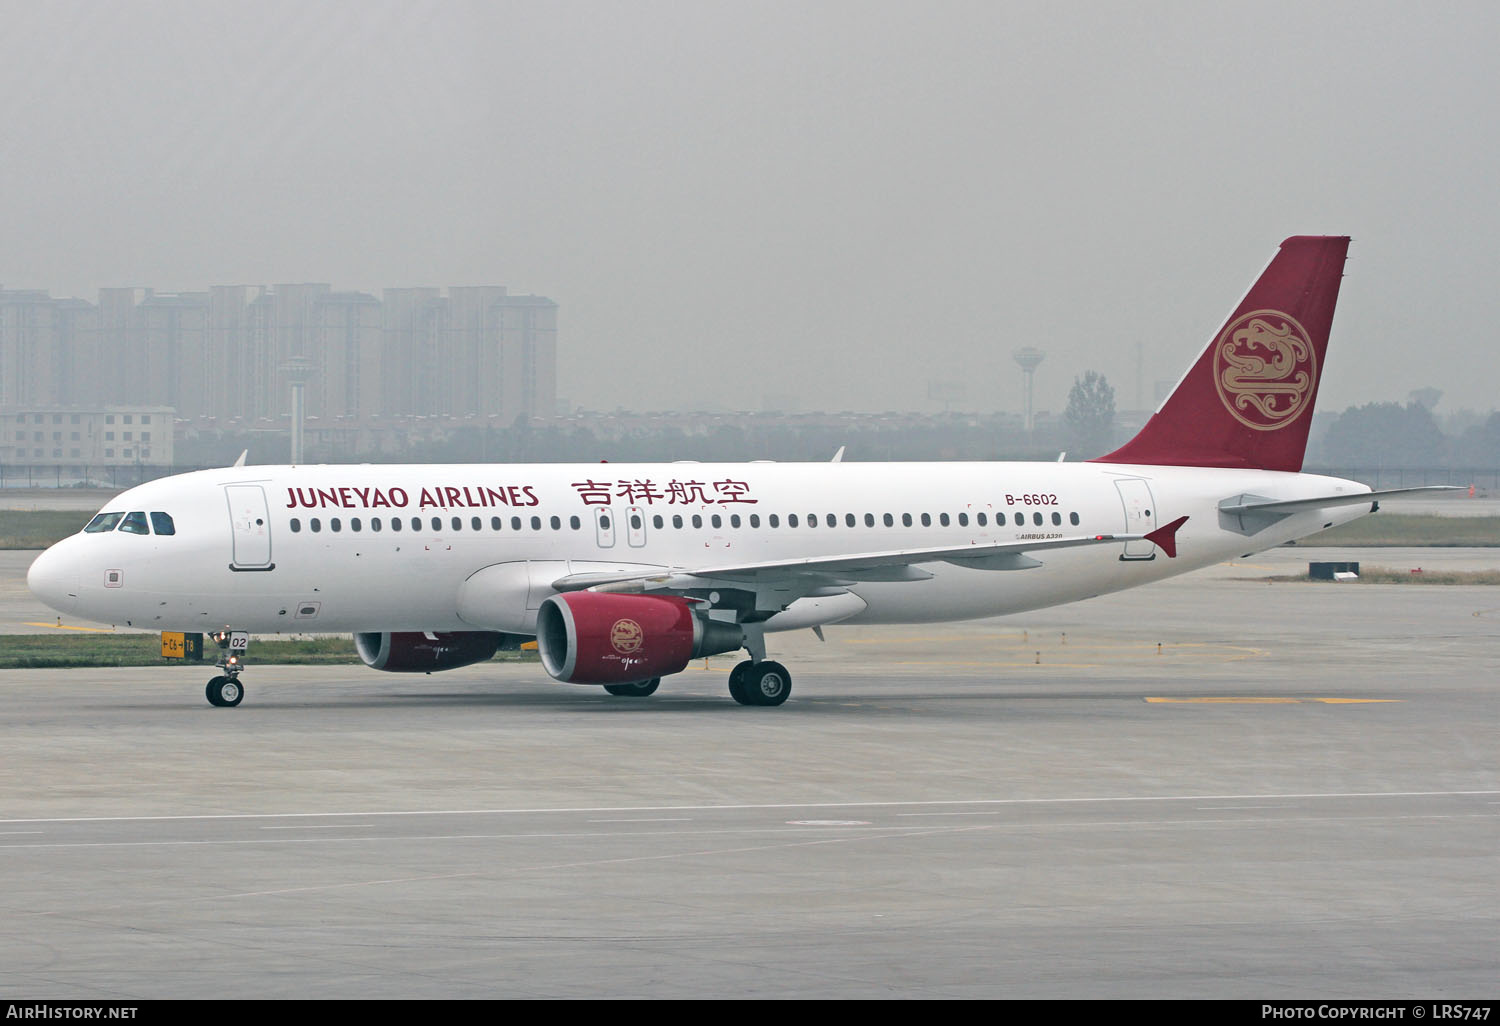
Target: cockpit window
(135,523)
(161,523)
(103,522)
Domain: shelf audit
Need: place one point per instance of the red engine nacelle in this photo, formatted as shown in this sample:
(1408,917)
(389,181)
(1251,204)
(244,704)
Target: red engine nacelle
(587,637)
(419,652)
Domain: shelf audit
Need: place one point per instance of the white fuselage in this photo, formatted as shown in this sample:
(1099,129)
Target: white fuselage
(296,549)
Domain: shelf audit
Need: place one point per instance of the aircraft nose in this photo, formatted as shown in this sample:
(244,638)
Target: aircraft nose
(53,578)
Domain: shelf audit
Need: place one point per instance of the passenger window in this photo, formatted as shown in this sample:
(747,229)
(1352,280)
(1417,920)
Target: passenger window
(869,519)
(495,523)
(476,523)
(677,521)
(135,523)
(458,524)
(697,520)
(1020,519)
(943,519)
(926,519)
(983,520)
(395,523)
(832,520)
(416,523)
(791,520)
(536,523)
(963,520)
(716,520)
(1057,520)
(515,523)
(161,523)
(315,524)
(103,522)
(774,520)
(437,524)
(375,524)
(656,521)
(1073,519)
(849,520)
(575,523)
(354,524)
(1036,518)
(556,523)
(296,526)
(888,520)
(335,525)
(754,519)
(734,520)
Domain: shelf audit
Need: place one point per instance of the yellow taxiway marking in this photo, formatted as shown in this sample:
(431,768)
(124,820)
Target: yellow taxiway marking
(1050,643)
(1266,700)
(66,627)
(1354,701)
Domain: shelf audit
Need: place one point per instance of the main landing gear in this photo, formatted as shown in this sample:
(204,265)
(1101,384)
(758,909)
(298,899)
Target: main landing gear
(758,680)
(760,683)
(640,689)
(226,690)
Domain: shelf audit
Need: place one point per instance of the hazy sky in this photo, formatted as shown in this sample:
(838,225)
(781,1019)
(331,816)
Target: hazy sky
(837,201)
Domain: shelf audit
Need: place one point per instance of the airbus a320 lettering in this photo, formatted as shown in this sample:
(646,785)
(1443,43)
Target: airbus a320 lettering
(623,573)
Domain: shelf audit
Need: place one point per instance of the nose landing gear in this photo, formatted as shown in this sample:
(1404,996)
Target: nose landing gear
(226,690)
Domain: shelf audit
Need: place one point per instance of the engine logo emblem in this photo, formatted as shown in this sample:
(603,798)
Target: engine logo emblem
(626,636)
(1265,369)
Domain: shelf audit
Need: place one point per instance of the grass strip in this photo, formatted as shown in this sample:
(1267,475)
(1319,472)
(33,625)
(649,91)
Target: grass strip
(1387,575)
(1412,530)
(36,529)
(47,651)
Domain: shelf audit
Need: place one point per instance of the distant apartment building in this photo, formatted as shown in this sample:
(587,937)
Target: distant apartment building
(113,436)
(223,357)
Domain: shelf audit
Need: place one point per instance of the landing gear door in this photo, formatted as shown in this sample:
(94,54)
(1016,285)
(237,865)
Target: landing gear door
(1140,517)
(250,522)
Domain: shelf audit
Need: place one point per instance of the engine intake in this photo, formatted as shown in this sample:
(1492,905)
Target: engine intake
(587,637)
(420,652)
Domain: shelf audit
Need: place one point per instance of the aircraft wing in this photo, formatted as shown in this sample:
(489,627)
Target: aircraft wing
(892,565)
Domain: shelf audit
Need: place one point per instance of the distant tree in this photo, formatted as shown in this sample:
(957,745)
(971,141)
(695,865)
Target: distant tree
(1385,435)
(1479,447)
(1427,398)
(1090,416)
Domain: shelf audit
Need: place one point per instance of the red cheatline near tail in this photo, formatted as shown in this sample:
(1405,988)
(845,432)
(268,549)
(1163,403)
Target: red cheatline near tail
(1247,402)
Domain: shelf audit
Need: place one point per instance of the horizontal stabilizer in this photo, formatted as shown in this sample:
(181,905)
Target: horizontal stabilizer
(1250,504)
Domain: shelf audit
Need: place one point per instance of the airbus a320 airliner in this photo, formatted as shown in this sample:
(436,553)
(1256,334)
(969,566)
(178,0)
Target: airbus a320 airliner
(625,572)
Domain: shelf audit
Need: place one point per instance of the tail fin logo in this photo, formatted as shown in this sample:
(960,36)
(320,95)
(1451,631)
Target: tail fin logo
(1265,369)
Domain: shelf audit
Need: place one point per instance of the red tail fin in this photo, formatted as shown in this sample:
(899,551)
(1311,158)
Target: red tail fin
(1248,400)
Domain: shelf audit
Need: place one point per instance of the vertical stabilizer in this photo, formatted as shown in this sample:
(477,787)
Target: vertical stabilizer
(1248,400)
